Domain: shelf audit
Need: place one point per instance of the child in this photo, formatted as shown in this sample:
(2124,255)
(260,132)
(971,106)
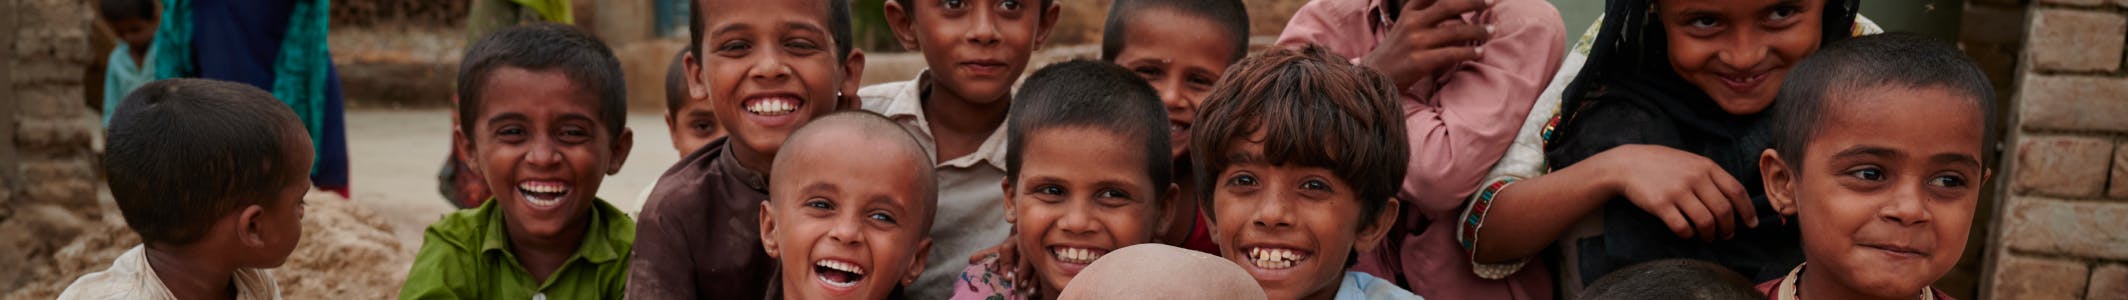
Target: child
(277,46)
(1653,154)
(1883,200)
(764,68)
(1167,43)
(849,208)
(211,174)
(1674,278)
(544,112)
(1071,201)
(134,22)
(1468,71)
(975,49)
(1156,271)
(1302,154)
(692,121)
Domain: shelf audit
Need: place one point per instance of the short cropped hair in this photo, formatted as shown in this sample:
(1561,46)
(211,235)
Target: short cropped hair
(1231,16)
(1682,279)
(676,82)
(121,10)
(1091,94)
(544,47)
(185,152)
(1314,109)
(838,27)
(873,125)
(1899,60)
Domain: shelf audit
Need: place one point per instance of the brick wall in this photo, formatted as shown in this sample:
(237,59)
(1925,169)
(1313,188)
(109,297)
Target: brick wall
(47,169)
(2062,227)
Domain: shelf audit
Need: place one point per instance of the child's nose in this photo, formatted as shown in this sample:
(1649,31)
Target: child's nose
(847,231)
(1746,51)
(1908,206)
(1078,220)
(985,31)
(1274,211)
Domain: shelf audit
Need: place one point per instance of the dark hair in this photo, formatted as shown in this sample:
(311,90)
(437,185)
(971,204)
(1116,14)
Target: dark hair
(185,152)
(1842,69)
(676,81)
(121,10)
(838,27)
(1231,16)
(543,47)
(1672,279)
(1314,109)
(1091,94)
(1040,4)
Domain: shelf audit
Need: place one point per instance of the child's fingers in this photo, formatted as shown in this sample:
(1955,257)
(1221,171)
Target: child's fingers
(1440,59)
(1735,191)
(1447,9)
(1718,208)
(1703,225)
(1455,33)
(1675,220)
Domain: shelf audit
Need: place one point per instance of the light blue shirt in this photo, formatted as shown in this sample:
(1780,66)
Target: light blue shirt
(1360,286)
(121,77)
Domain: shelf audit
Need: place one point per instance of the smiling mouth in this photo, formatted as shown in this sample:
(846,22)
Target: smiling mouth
(773,105)
(1744,82)
(1177,127)
(543,194)
(837,273)
(1076,255)
(1276,258)
(1903,251)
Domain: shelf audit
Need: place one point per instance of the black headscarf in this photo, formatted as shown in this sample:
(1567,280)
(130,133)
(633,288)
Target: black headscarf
(1627,93)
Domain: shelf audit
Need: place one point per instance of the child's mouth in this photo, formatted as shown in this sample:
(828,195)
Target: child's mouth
(543,194)
(1276,258)
(1076,255)
(773,105)
(837,273)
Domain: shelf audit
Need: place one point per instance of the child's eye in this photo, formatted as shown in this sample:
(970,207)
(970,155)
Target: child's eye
(882,217)
(1049,190)
(734,48)
(1149,73)
(575,134)
(705,127)
(1009,5)
(1948,181)
(1702,22)
(1202,83)
(1112,194)
(954,4)
(1783,13)
(1242,180)
(1870,174)
(1315,185)
(819,204)
(802,46)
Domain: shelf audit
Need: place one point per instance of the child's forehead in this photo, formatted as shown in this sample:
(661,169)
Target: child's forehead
(512,90)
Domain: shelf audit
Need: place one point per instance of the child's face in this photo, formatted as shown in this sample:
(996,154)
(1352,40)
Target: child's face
(539,141)
(768,67)
(282,221)
(1884,200)
(694,125)
(1173,52)
(135,32)
(1292,227)
(1738,51)
(1075,201)
(838,228)
(976,49)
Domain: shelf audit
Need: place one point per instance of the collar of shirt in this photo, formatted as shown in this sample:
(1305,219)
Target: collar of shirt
(907,106)
(602,242)
(729,163)
(1792,285)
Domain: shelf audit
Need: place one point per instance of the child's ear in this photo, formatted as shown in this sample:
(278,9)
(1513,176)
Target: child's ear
(1371,234)
(1779,181)
(464,143)
(1010,207)
(899,21)
(247,226)
(621,145)
(1169,200)
(852,79)
(697,87)
(768,230)
(916,266)
(1049,21)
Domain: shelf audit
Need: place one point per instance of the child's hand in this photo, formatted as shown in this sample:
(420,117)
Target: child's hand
(1687,191)
(1008,256)
(1428,38)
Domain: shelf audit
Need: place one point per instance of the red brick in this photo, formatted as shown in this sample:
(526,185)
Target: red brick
(2073,103)
(2075,228)
(2067,166)
(2109,282)
(2073,40)
(2019,277)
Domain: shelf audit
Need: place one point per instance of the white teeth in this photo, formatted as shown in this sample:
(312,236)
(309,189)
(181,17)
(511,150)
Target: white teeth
(1076,255)
(841,266)
(772,107)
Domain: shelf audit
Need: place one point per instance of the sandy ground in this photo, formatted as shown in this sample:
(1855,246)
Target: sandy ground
(395,155)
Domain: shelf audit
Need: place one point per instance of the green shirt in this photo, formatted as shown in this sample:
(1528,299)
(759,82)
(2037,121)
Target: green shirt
(466,255)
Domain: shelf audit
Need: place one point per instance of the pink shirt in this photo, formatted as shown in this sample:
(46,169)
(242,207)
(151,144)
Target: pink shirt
(1460,124)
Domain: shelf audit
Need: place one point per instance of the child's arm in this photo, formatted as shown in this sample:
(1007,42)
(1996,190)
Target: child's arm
(1688,192)
(1464,126)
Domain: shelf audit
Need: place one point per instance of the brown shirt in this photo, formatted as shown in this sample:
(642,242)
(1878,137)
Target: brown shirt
(699,234)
